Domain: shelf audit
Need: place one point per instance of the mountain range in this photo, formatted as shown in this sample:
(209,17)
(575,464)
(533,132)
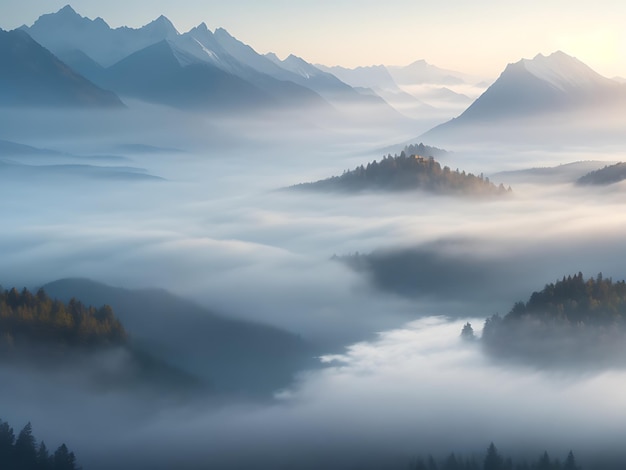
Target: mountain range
(65,59)
(416,89)
(198,69)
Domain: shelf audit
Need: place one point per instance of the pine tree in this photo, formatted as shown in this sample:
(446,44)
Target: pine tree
(64,459)
(44,460)
(467,333)
(493,460)
(544,462)
(570,462)
(25,449)
(7,440)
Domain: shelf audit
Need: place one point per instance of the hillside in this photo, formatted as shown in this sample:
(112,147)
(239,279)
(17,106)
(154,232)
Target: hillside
(573,322)
(564,173)
(403,173)
(604,176)
(234,355)
(39,332)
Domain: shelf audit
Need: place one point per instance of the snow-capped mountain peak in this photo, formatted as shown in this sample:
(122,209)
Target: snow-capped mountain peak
(68,12)
(562,71)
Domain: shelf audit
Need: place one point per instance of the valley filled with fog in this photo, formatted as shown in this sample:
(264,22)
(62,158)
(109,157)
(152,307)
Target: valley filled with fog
(216,226)
(259,321)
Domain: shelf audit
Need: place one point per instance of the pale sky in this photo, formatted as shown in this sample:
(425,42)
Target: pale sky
(478,37)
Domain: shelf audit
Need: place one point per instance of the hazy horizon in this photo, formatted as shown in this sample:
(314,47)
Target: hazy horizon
(401,32)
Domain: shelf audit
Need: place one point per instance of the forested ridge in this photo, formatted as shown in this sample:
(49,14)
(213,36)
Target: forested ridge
(38,318)
(604,176)
(573,321)
(493,460)
(22,452)
(408,172)
(427,150)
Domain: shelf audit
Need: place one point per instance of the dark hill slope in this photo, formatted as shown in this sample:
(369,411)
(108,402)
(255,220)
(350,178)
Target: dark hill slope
(30,75)
(235,355)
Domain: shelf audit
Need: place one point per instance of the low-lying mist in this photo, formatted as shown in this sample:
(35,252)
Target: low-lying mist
(217,228)
(414,390)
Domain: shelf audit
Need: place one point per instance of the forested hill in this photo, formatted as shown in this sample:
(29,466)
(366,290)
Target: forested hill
(573,321)
(36,317)
(408,172)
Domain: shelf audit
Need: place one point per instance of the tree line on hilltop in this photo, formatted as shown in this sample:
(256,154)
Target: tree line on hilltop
(409,172)
(38,318)
(493,460)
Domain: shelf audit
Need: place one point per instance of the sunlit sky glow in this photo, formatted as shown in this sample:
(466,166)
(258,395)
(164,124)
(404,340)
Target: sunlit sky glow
(478,37)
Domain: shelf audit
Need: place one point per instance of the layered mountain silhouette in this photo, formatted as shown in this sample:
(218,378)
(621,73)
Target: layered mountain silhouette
(31,75)
(197,69)
(537,87)
(420,88)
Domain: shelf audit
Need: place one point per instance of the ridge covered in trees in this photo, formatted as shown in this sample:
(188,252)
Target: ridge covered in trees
(604,176)
(21,452)
(421,149)
(493,460)
(38,318)
(572,321)
(408,172)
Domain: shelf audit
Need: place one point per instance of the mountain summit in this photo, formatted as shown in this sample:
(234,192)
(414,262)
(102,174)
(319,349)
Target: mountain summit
(66,31)
(544,84)
(531,88)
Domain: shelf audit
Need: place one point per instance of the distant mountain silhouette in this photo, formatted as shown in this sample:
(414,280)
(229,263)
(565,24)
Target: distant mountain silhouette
(418,97)
(234,355)
(376,77)
(532,88)
(30,75)
(421,72)
(69,172)
(223,72)
(326,84)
